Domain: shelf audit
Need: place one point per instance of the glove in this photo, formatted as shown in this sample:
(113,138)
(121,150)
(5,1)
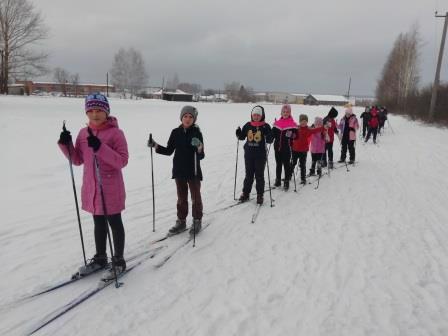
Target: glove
(65,138)
(152,143)
(93,141)
(195,142)
(238,132)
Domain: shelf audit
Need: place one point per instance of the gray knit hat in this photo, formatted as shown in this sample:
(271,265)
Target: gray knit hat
(191,110)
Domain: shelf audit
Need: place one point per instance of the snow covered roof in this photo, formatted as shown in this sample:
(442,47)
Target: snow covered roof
(332,98)
(300,95)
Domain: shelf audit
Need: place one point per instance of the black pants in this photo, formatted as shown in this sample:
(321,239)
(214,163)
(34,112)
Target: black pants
(116,224)
(283,159)
(350,144)
(316,157)
(329,149)
(301,156)
(365,126)
(374,131)
(254,167)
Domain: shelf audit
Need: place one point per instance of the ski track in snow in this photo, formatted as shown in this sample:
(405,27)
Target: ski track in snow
(365,254)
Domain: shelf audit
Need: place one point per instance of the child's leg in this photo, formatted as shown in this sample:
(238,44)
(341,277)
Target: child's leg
(302,163)
(287,165)
(278,167)
(330,152)
(118,234)
(260,164)
(196,199)
(182,199)
(351,149)
(344,145)
(100,232)
(375,130)
(250,171)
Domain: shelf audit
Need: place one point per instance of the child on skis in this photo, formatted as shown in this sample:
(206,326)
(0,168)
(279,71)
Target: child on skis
(257,133)
(348,126)
(317,147)
(373,125)
(186,142)
(284,130)
(103,140)
(301,144)
(332,128)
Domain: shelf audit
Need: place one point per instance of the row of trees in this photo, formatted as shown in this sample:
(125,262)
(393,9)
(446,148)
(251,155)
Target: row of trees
(398,86)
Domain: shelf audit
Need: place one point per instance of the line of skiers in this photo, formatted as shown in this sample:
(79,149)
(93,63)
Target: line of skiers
(292,143)
(373,120)
(102,148)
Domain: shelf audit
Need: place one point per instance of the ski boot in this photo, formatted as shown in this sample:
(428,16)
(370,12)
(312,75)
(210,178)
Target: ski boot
(244,197)
(99,261)
(312,172)
(330,165)
(120,266)
(260,199)
(277,183)
(196,227)
(286,184)
(180,226)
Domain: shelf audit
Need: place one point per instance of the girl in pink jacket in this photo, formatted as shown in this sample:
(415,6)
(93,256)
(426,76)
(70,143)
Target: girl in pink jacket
(102,138)
(317,147)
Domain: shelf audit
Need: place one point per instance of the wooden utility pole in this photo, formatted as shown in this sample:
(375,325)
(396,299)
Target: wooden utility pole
(348,92)
(435,87)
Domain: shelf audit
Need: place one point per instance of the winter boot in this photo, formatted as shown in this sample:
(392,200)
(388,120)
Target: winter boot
(260,199)
(351,162)
(319,172)
(99,261)
(120,266)
(341,161)
(330,165)
(303,181)
(286,184)
(196,227)
(244,197)
(312,172)
(277,183)
(180,226)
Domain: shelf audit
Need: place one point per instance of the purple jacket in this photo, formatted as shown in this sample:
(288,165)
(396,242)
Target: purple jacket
(112,157)
(352,123)
(317,144)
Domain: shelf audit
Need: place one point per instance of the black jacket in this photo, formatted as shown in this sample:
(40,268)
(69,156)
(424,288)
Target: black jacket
(257,137)
(183,161)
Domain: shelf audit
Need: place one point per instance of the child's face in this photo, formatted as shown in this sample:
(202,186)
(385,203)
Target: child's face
(286,113)
(303,123)
(256,117)
(96,117)
(187,120)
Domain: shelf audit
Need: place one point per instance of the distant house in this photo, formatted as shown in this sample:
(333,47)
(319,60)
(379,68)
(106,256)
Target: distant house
(177,95)
(299,98)
(16,89)
(313,99)
(68,89)
(151,93)
(280,97)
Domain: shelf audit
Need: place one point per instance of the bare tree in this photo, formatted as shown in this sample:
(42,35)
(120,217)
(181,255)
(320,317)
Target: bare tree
(400,76)
(21,27)
(74,81)
(173,83)
(62,77)
(128,71)
(190,88)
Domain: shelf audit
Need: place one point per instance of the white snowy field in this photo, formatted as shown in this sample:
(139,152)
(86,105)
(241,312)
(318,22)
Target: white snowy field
(364,254)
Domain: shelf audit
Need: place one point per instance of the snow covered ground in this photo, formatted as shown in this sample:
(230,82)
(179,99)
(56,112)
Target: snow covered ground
(364,254)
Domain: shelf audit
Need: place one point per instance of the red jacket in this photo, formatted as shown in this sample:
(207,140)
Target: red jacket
(302,142)
(373,122)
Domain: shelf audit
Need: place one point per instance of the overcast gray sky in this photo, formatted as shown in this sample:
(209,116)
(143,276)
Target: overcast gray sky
(285,45)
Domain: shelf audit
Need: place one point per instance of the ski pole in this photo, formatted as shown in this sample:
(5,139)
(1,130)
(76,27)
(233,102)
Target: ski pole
(269,177)
(152,185)
(70,163)
(103,203)
(195,177)
(236,168)
(291,171)
(388,123)
(319,168)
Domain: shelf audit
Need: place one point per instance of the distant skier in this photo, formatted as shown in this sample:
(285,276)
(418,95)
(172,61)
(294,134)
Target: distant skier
(283,130)
(382,117)
(348,125)
(365,116)
(108,142)
(332,128)
(257,133)
(186,142)
(373,124)
(301,144)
